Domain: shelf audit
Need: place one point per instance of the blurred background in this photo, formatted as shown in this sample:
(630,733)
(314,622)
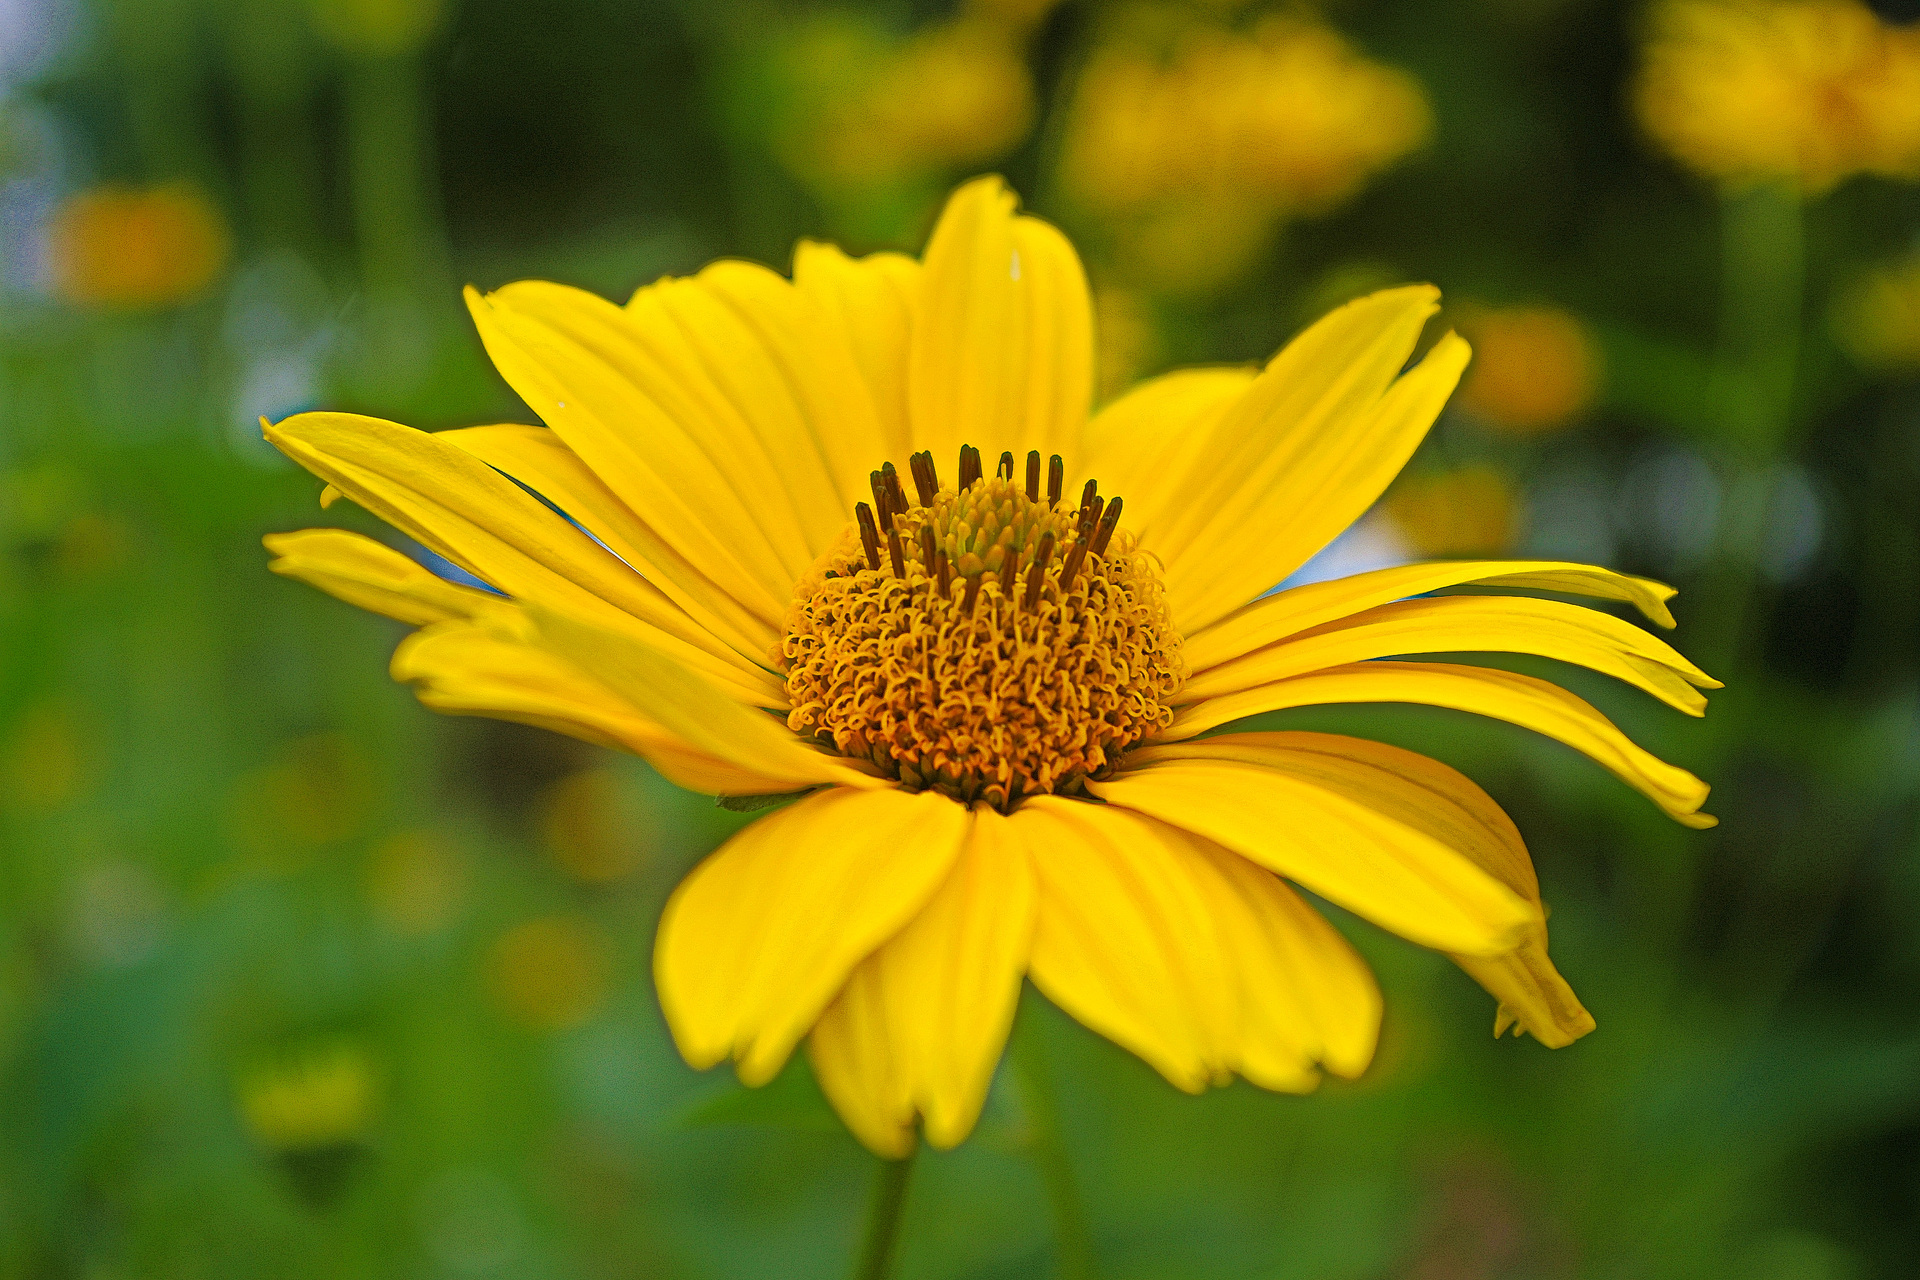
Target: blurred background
(298,979)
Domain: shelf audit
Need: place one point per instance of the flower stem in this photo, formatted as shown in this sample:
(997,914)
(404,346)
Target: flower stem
(1073,1243)
(883,1218)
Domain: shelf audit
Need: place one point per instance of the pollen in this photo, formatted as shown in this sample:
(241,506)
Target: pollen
(986,640)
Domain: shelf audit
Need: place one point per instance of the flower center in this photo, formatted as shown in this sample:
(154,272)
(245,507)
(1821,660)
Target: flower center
(987,640)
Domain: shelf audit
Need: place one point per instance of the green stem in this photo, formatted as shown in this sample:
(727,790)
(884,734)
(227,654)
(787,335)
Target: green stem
(883,1218)
(1762,272)
(1073,1242)
(391,155)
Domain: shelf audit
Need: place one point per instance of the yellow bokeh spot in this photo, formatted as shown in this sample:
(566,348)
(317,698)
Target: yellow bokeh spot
(1807,92)
(134,249)
(44,763)
(1534,368)
(591,828)
(552,972)
(1876,319)
(1471,511)
(379,28)
(321,1096)
(417,882)
(318,791)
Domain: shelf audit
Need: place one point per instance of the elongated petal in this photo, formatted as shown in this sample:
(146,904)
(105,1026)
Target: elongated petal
(872,301)
(760,937)
(1350,851)
(1002,345)
(1189,956)
(1521,700)
(485,670)
(621,394)
(1464,624)
(1142,447)
(540,460)
(1302,608)
(921,1023)
(458,506)
(1297,458)
(373,576)
(1422,793)
(696,712)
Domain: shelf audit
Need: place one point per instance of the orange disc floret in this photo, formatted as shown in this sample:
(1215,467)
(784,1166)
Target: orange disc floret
(957,651)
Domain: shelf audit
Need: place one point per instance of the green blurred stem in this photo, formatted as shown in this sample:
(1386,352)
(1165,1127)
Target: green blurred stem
(883,1218)
(1762,284)
(390,149)
(1073,1243)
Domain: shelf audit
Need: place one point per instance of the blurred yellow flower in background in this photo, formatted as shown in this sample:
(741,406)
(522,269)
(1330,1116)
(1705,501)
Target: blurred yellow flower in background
(417,881)
(318,790)
(929,690)
(1876,319)
(324,1095)
(378,28)
(872,109)
(137,248)
(1472,511)
(591,829)
(43,762)
(1534,368)
(1808,92)
(551,973)
(1213,142)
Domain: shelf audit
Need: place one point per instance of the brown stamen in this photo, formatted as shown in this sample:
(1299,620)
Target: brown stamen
(882,500)
(969,466)
(1033,475)
(869,535)
(1004,468)
(926,547)
(1056,479)
(1070,563)
(1037,572)
(1090,515)
(896,552)
(894,491)
(973,594)
(1108,523)
(942,574)
(924,478)
(1009,573)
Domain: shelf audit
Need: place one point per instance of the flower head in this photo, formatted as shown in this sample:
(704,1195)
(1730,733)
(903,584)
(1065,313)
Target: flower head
(1809,92)
(1534,368)
(856,536)
(1877,317)
(137,248)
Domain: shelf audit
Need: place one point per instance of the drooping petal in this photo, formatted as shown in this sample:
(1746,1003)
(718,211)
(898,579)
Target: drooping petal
(1188,956)
(1424,794)
(373,576)
(538,459)
(919,1028)
(1002,345)
(1142,446)
(760,937)
(457,506)
(690,708)
(1315,604)
(1310,445)
(486,670)
(1522,700)
(1470,624)
(871,301)
(1369,860)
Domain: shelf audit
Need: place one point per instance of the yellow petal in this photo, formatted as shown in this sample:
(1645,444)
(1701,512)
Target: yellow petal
(652,430)
(871,301)
(1310,445)
(1002,346)
(1344,848)
(1302,608)
(485,670)
(1521,700)
(1189,956)
(1472,624)
(761,936)
(920,1026)
(538,459)
(373,576)
(1142,446)
(1422,793)
(458,506)
(696,712)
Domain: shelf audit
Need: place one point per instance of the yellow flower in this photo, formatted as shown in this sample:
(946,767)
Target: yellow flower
(1810,92)
(1472,511)
(989,674)
(135,249)
(1877,317)
(378,28)
(1232,131)
(552,972)
(872,110)
(1533,367)
(323,1096)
